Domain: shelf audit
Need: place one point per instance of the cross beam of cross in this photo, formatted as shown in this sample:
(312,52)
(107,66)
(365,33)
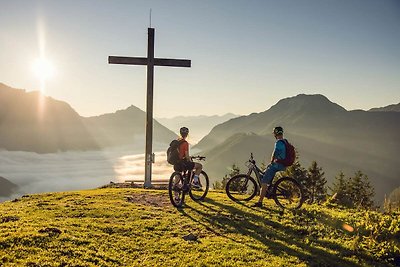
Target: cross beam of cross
(150,61)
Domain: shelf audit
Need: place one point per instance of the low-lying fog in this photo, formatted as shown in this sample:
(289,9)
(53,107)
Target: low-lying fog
(37,173)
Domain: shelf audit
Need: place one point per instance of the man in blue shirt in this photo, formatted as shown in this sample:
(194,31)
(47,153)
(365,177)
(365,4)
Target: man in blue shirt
(278,154)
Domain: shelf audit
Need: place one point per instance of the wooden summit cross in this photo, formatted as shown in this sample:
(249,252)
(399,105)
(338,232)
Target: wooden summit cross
(150,61)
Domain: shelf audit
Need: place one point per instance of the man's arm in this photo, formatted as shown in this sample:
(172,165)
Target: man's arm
(273,158)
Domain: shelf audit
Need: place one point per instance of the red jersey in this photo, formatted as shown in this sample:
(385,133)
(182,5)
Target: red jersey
(183,148)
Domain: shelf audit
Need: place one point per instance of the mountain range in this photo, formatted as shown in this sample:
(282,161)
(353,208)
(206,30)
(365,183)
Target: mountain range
(32,122)
(125,127)
(336,138)
(394,107)
(320,130)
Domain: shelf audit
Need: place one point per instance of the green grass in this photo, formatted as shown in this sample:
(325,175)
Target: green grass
(101,228)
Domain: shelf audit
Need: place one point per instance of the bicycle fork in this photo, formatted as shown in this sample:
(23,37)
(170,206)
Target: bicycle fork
(247,180)
(186,181)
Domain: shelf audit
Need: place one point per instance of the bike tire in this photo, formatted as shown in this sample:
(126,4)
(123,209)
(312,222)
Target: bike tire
(203,179)
(234,192)
(176,187)
(288,193)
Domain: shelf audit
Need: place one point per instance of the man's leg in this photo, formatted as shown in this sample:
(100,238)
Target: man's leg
(197,170)
(266,182)
(264,187)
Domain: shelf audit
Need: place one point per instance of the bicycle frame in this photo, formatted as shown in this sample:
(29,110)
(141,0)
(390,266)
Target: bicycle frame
(254,168)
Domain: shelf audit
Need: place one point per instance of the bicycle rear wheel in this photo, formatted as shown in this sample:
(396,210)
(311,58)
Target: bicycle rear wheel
(241,187)
(200,193)
(288,193)
(176,189)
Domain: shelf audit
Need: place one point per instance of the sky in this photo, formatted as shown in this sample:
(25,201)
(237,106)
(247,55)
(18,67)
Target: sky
(246,54)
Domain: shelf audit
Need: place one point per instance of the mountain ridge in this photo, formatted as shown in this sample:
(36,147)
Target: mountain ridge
(30,121)
(393,107)
(123,126)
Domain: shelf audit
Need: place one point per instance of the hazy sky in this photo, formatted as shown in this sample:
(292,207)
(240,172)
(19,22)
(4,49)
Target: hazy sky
(246,55)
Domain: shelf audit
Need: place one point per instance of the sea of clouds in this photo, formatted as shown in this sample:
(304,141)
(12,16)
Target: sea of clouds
(66,171)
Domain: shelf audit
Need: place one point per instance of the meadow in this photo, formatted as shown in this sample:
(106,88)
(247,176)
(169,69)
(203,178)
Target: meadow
(136,227)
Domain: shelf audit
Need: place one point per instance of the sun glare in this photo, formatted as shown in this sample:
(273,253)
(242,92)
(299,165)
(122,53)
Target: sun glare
(43,69)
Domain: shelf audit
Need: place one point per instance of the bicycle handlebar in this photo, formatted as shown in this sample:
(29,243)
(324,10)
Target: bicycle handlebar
(252,159)
(198,157)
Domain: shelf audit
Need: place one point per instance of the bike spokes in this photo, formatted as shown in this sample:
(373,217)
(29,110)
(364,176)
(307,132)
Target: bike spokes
(288,193)
(176,189)
(241,188)
(199,191)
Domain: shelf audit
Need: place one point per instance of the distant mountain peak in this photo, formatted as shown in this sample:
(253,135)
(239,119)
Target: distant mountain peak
(304,102)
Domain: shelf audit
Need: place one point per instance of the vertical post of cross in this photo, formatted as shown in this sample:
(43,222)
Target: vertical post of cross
(149,108)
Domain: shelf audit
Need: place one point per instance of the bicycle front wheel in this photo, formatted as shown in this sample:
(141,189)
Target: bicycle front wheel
(241,187)
(200,193)
(288,193)
(176,189)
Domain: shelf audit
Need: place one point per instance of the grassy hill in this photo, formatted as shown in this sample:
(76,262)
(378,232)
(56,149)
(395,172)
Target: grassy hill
(133,227)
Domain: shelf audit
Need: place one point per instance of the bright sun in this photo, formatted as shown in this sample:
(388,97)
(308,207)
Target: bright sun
(43,69)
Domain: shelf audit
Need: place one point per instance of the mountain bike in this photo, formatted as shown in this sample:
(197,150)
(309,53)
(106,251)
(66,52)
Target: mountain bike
(180,184)
(286,191)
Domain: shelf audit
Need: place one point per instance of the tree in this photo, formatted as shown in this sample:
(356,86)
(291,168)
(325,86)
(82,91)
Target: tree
(315,183)
(354,192)
(341,190)
(361,191)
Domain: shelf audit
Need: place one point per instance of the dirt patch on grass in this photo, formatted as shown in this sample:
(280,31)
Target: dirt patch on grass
(155,200)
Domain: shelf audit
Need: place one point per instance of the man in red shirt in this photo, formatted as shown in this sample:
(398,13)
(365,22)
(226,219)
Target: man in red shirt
(185,162)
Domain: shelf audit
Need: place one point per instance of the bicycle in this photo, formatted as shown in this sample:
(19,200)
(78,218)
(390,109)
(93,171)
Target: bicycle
(180,184)
(286,191)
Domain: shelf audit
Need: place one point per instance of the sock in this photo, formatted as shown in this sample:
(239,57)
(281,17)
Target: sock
(195,178)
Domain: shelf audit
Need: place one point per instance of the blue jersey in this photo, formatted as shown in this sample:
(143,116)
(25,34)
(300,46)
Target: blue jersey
(279,151)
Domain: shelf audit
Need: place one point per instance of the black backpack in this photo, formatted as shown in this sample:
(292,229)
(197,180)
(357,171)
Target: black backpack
(173,152)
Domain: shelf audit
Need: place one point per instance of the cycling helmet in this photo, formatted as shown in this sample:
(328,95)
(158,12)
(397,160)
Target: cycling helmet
(184,131)
(278,130)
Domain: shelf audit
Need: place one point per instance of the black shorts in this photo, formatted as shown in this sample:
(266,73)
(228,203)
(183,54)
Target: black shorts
(184,166)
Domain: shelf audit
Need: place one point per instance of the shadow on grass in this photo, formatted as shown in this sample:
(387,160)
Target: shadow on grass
(277,238)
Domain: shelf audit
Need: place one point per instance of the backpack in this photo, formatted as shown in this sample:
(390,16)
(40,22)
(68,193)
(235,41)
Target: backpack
(173,152)
(290,154)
